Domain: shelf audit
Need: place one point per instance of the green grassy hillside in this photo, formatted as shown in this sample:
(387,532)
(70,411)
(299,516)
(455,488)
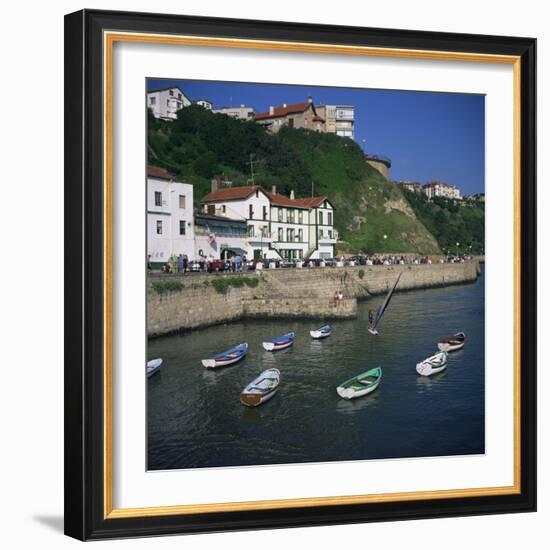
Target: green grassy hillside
(451,222)
(371,214)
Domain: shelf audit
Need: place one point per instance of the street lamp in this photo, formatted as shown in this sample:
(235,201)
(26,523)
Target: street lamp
(457,245)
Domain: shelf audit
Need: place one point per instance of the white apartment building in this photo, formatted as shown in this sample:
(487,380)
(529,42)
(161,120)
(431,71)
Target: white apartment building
(170,228)
(277,226)
(219,237)
(241,113)
(165,103)
(339,119)
(205,104)
(441,189)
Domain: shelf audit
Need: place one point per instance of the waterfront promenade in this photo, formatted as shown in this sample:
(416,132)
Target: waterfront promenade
(185,302)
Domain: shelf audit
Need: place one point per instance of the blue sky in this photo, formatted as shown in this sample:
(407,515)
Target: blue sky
(426,135)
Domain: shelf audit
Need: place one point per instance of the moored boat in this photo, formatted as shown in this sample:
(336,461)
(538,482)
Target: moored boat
(432,365)
(153,366)
(360,385)
(279,343)
(452,343)
(226,357)
(321,332)
(261,389)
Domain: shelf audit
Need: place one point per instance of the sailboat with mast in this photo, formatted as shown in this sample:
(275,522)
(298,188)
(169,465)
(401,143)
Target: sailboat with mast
(377,317)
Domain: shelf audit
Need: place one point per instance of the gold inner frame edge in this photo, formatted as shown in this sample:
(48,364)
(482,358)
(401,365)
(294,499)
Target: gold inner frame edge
(109,39)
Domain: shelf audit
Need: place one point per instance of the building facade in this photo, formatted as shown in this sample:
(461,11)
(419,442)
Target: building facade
(277,226)
(441,189)
(165,103)
(339,119)
(170,227)
(297,115)
(219,237)
(240,113)
(204,103)
(413,186)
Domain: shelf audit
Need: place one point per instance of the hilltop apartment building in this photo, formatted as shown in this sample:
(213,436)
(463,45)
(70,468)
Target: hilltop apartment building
(441,189)
(166,102)
(339,119)
(296,115)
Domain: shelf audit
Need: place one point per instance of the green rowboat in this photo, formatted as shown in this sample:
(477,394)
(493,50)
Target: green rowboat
(360,385)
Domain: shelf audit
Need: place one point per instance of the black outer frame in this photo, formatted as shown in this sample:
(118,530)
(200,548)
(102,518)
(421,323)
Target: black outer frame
(84,517)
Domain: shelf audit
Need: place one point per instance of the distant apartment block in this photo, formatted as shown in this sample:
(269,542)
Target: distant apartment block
(166,102)
(296,115)
(441,189)
(241,113)
(204,103)
(413,186)
(477,197)
(339,119)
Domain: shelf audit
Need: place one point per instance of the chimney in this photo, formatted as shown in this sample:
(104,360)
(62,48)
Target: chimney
(274,189)
(215,185)
(309,99)
(292,195)
(271,110)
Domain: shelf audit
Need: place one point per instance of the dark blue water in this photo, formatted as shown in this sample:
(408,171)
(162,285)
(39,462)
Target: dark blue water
(195,418)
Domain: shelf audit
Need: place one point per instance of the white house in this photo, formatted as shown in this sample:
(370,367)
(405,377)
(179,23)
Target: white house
(241,113)
(441,189)
(277,226)
(204,103)
(166,102)
(170,228)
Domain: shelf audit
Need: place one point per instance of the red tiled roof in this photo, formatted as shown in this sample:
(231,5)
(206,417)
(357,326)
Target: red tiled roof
(311,202)
(157,172)
(283,111)
(231,193)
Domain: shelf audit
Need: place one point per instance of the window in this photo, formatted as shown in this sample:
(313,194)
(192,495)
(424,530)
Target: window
(291,123)
(250,211)
(182,227)
(330,233)
(265,212)
(179,96)
(290,235)
(280,234)
(158,198)
(320,218)
(152,101)
(211,209)
(280,214)
(329,218)
(182,201)
(257,193)
(172,93)
(251,231)
(223,208)
(300,216)
(291,216)
(301,235)
(159,227)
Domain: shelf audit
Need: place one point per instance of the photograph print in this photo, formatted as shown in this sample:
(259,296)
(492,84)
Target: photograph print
(315,274)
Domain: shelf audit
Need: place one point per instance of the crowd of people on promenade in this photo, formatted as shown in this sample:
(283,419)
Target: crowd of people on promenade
(237,263)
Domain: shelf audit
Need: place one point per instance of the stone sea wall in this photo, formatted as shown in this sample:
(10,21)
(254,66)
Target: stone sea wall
(307,292)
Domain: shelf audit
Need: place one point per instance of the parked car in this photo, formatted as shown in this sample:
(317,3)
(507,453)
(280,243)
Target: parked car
(216,265)
(330,262)
(286,263)
(195,266)
(358,260)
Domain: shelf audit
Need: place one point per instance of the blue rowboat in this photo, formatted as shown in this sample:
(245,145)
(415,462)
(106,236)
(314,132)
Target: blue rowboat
(226,357)
(321,332)
(281,342)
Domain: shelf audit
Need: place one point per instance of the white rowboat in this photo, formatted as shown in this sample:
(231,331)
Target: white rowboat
(282,342)
(452,343)
(432,365)
(261,389)
(321,332)
(226,357)
(153,366)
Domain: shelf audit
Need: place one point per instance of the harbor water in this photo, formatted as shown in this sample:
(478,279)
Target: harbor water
(195,418)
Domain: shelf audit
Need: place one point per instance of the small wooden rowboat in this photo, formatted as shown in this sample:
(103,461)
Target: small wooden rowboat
(281,342)
(360,385)
(452,343)
(226,357)
(321,332)
(261,389)
(432,365)
(153,366)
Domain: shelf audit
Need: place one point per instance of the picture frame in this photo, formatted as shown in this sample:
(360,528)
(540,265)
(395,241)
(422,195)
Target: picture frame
(90,156)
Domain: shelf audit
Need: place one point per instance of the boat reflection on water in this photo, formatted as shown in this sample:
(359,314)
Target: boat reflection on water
(426,382)
(355,406)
